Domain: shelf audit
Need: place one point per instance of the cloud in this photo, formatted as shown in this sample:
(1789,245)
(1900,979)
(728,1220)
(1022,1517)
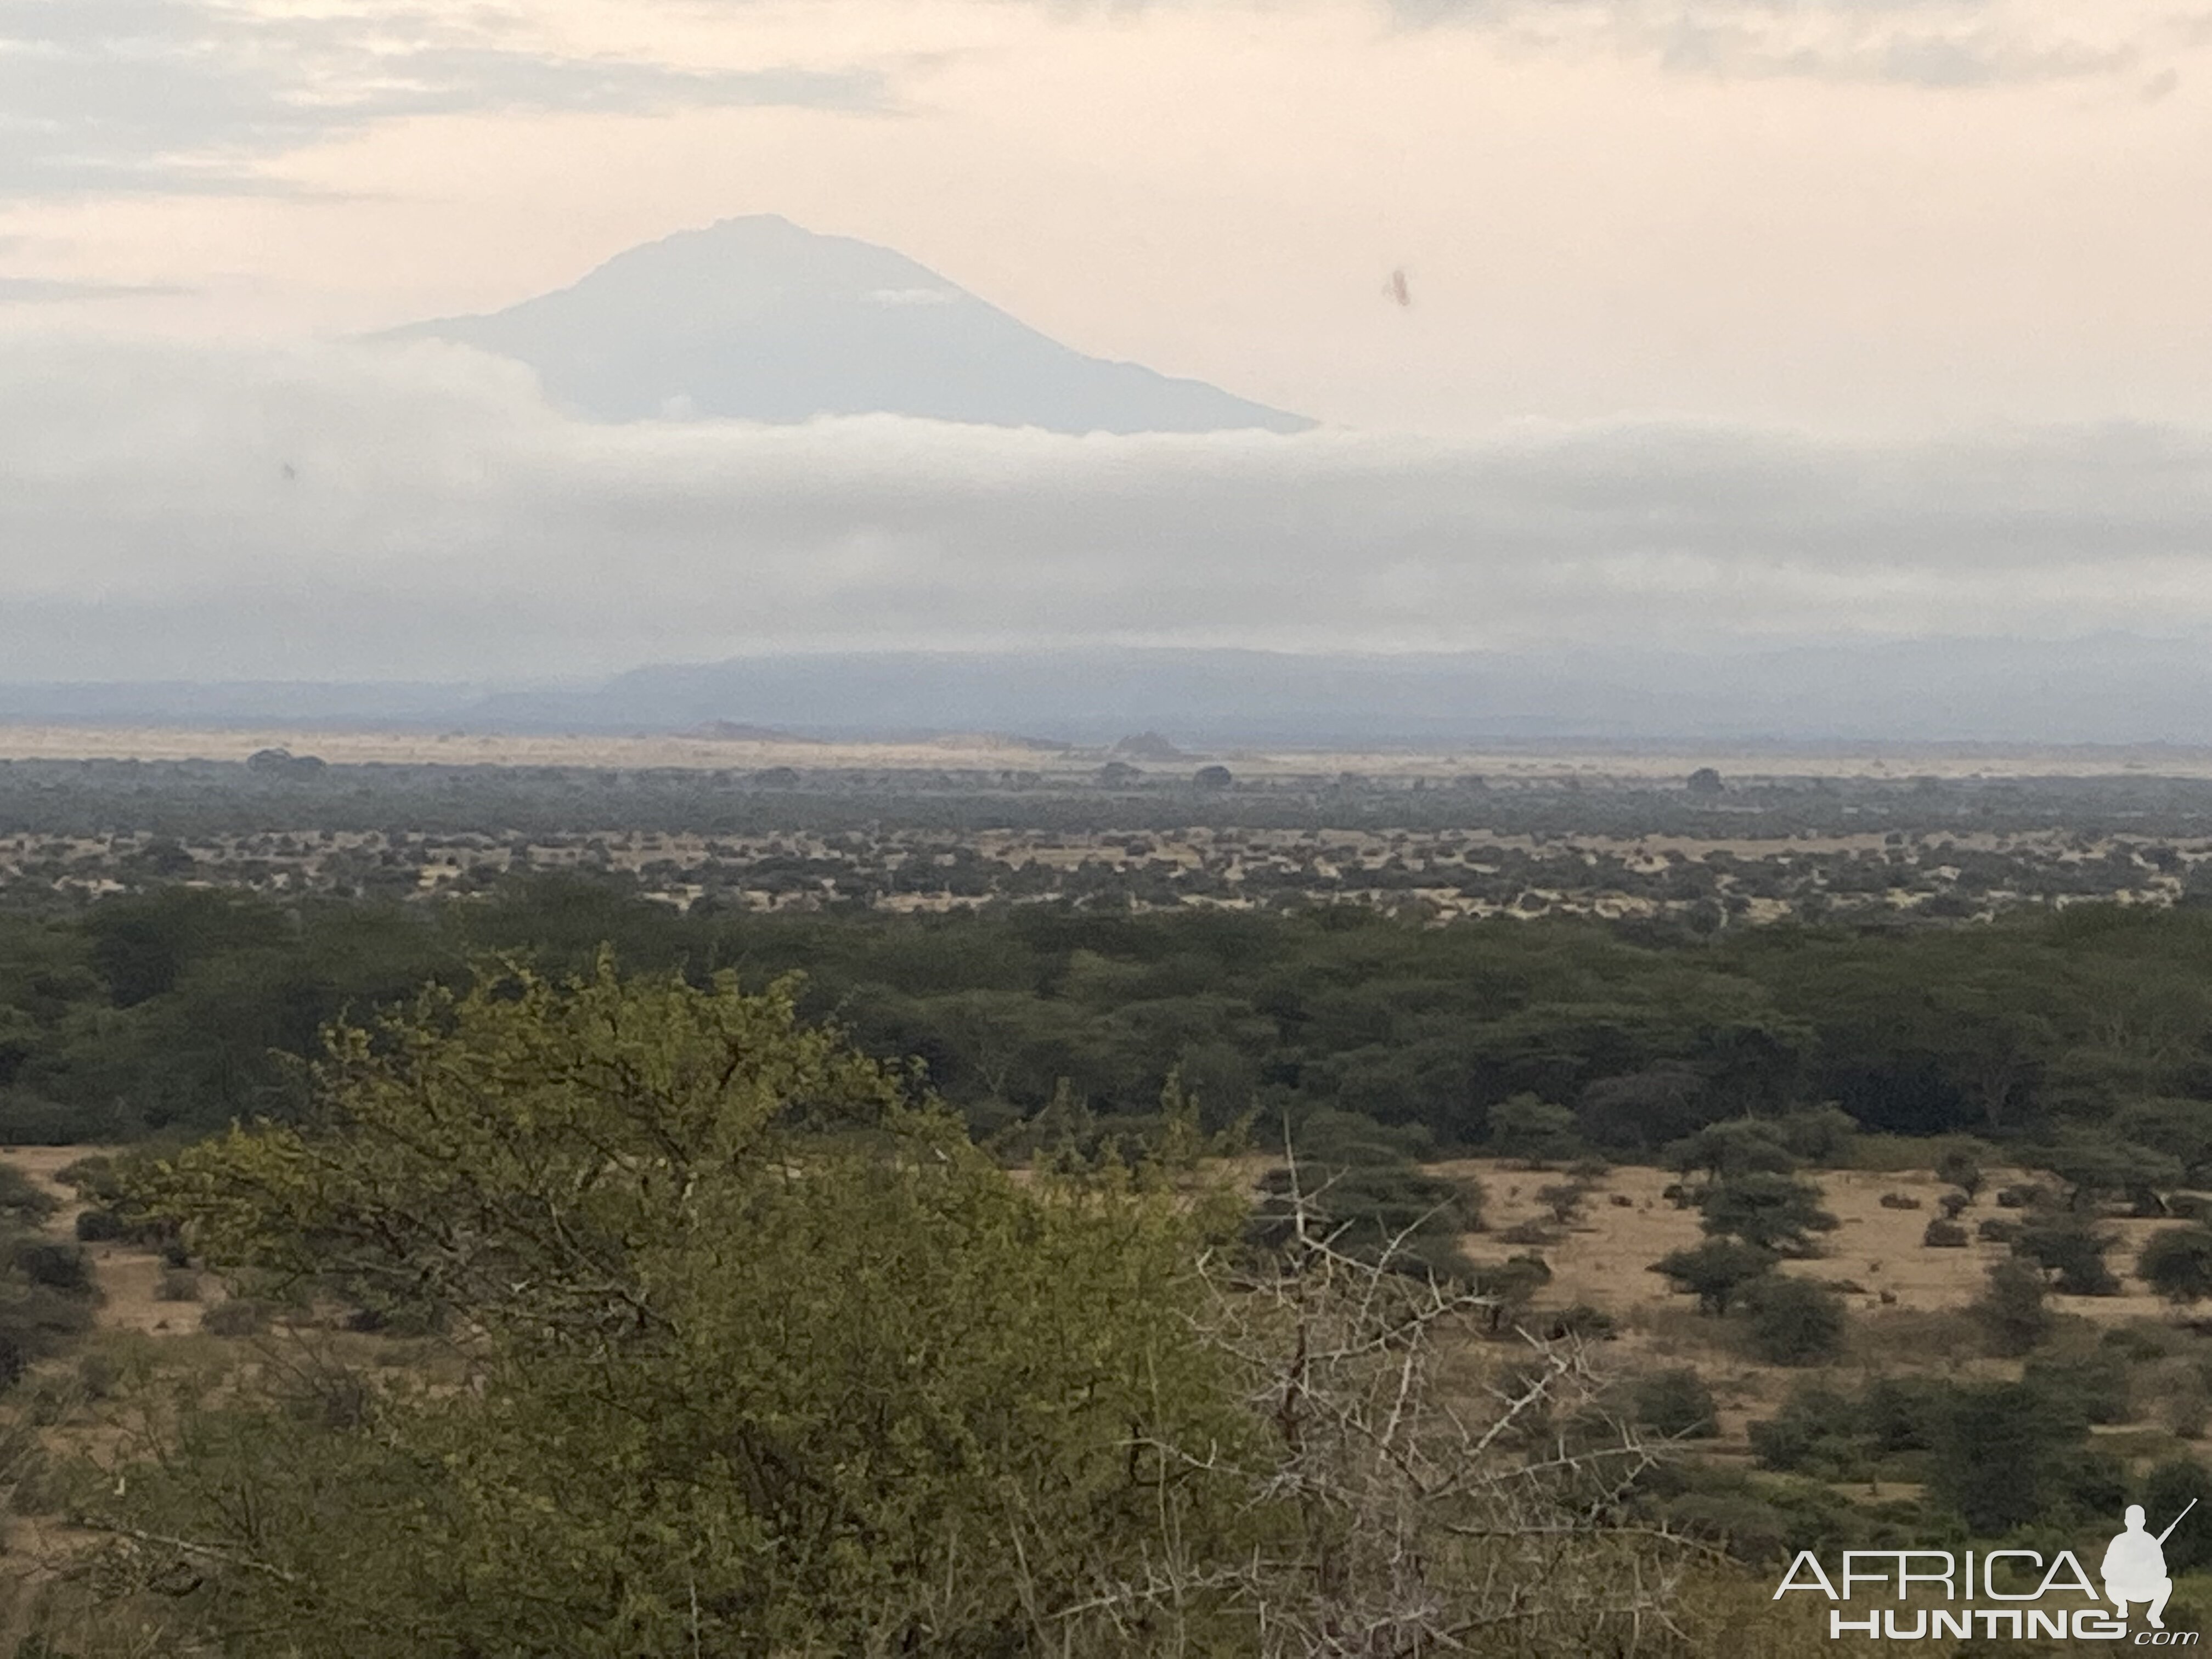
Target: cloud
(420,512)
(182,96)
(1943,45)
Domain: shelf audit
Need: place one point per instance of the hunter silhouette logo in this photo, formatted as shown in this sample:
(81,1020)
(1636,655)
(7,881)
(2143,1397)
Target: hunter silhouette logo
(1926,1588)
(2135,1566)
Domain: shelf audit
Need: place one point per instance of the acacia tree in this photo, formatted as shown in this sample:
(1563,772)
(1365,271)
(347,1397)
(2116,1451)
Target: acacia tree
(1766,1209)
(1716,1272)
(748,1352)
(1419,1501)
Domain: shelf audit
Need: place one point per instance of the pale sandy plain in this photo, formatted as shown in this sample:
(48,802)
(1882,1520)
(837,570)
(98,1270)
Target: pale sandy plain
(986,752)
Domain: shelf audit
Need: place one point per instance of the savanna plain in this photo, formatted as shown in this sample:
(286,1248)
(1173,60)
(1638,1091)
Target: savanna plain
(724,1194)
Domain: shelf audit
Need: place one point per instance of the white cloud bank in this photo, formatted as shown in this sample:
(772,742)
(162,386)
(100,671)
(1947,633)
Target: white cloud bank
(420,512)
(1932,45)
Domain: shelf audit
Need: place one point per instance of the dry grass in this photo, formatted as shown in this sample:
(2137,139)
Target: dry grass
(1908,1301)
(1604,1258)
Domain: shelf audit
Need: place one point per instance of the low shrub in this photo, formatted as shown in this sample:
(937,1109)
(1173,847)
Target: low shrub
(56,1266)
(101,1226)
(2072,1251)
(237,1315)
(2011,1309)
(1793,1322)
(1675,1403)
(1590,1324)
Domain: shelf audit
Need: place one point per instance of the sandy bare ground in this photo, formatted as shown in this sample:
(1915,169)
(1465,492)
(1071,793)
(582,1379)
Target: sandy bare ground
(128,1276)
(986,752)
(1604,1259)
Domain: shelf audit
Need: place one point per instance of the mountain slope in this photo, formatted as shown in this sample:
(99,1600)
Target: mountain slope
(756,318)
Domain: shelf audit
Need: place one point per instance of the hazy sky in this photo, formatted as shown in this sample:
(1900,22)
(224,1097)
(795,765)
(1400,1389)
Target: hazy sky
(1773,317)
(1876,215)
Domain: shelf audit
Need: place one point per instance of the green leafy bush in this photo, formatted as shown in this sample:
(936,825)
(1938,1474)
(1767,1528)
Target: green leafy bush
(1793,1321)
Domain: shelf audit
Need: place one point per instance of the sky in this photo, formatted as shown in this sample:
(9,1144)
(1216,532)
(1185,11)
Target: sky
(1743,321)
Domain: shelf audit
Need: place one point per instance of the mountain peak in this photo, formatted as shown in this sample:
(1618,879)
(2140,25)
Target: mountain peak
(757,317)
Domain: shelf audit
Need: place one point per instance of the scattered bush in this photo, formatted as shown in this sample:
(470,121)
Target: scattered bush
(1531,1128)
(177,1285)
(1793,1322)
(1958,1167)
(1716,1271)
(2167,1491)
(2176,1262)
(101,1226)
(1900,1201)
(23,1200)
(1564,1200)
(1581,1321)
(1768,1211)
(1360,1175)
(1510,1284)
(235,1316)
(37,1321)
(1528,1232)
(1675,1403)
(1942,1234)
(97,1375)
(2186,1405)
(1821,1135)
(2141,1339)
(1996,1232)
(2071,1249)
(2092,1387)
(1747,1526)
(1736,1147)
(1817,1431)
(2011,1309)
(57,1266)
(2101,1165)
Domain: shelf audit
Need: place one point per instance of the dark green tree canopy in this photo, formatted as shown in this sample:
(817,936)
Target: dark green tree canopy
(2177,1263)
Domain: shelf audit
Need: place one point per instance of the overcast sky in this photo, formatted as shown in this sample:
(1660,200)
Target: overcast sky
(1773,318)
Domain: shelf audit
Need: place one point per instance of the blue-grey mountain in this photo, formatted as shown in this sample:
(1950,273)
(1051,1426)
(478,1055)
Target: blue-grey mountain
(2105,689)
(756,319)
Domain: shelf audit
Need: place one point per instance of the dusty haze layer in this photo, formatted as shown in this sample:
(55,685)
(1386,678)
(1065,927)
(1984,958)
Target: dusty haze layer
(988,753)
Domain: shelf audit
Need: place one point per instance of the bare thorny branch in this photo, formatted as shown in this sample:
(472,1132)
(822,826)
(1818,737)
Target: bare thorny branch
(1403,1504)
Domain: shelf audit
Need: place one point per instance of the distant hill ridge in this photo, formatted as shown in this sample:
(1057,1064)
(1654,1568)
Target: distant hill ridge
(2108,689)
(757,318)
